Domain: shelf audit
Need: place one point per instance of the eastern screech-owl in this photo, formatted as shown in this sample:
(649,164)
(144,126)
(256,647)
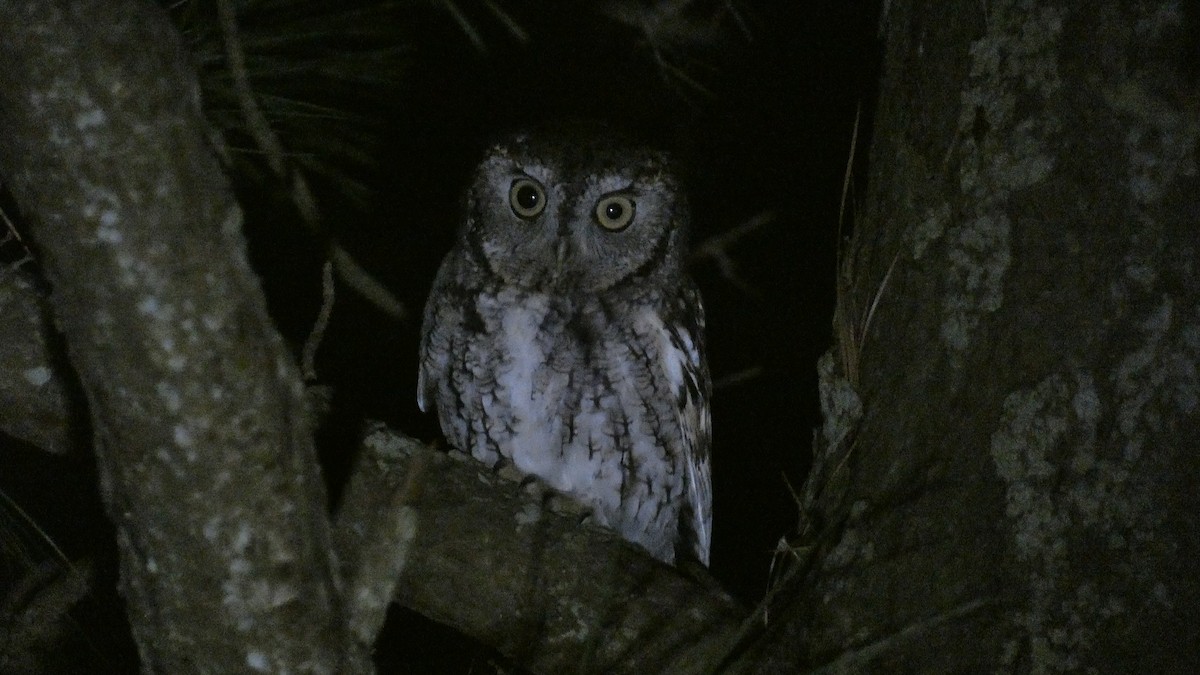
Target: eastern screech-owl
(562,334)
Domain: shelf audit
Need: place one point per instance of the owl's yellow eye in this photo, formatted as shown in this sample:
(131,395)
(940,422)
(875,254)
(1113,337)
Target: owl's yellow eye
(615,212)
(526,198)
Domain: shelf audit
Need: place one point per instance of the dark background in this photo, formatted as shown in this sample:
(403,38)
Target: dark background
(770,136)
(761,117)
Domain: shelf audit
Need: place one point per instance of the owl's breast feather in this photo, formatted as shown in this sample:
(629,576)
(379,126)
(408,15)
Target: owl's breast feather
(524,387)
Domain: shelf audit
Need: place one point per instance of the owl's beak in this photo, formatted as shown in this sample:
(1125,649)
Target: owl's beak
(560,256)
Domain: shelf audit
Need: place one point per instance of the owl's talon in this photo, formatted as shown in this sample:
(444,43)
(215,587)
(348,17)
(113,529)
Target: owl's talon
(566,505)
(507,471)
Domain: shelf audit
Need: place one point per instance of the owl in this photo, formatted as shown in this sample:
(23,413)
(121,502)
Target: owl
(563,336)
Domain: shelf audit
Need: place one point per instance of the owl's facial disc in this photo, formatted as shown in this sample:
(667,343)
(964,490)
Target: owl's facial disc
(566,220)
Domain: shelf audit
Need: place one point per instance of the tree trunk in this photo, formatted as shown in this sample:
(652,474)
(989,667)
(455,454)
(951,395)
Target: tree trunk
(205,456)
(1010,472)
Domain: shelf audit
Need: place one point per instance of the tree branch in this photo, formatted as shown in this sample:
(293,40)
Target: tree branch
(35,405)
(492,560)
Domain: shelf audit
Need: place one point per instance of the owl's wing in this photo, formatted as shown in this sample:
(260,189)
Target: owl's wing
(692,398)
(441,319)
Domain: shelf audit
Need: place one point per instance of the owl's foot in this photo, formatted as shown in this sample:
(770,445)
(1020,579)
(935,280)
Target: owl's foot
(567,506)
(509,471)
(554,501)
(541,493)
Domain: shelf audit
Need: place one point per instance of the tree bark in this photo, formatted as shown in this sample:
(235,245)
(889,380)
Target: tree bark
(203,447)
(1009,473)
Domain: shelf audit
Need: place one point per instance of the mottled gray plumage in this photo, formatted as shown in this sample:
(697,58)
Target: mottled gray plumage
(562,334)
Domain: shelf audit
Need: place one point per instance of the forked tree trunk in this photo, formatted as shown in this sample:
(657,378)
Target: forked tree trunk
(1020,491)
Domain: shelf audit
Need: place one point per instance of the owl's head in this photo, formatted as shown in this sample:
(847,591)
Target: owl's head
(575,210)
